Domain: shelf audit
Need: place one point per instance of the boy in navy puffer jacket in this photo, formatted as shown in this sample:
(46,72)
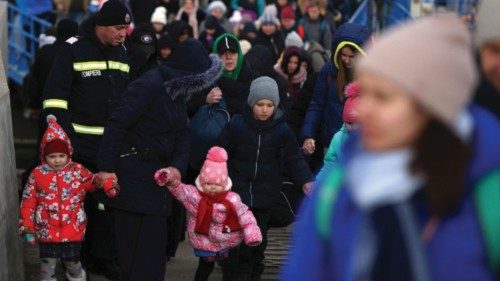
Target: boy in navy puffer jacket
(260,146)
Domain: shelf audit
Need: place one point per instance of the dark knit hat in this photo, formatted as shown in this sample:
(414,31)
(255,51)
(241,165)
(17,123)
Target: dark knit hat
(211,22)
(249,27)
(113,12)
(177,28)
(66,28)
(227,44)
(263,87)
(56,146)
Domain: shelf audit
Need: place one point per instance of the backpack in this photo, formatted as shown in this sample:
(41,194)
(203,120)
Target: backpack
(324,54)
(206,126)
(486,196)
(323,27)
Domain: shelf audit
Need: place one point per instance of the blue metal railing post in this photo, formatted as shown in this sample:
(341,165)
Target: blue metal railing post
(22,43)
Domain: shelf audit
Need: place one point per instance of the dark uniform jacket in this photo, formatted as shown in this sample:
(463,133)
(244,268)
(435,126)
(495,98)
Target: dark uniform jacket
(85,82)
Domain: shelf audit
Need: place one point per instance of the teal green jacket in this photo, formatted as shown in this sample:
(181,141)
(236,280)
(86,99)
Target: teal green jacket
(334,151)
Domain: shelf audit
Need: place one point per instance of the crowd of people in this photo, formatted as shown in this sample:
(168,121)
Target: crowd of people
(189,117)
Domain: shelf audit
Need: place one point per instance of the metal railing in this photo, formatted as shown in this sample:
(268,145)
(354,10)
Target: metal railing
(378,15)
(23,41)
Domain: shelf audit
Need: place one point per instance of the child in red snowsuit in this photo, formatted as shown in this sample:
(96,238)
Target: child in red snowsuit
(51,210)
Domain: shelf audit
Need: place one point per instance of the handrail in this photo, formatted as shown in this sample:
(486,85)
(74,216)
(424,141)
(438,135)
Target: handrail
(22,41)
(399,11)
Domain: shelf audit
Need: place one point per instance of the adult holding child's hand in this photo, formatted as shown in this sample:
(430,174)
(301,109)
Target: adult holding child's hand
(148,130)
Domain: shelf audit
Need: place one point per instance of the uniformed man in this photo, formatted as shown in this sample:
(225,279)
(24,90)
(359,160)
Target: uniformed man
(89,74)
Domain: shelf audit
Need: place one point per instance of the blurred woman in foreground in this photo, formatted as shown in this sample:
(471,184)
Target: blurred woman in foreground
(413,197)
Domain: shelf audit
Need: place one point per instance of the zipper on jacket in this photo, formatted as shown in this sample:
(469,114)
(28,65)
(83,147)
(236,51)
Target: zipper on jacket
(60,207)
(256,168)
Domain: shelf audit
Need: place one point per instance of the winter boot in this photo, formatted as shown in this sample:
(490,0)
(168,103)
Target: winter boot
(83,277)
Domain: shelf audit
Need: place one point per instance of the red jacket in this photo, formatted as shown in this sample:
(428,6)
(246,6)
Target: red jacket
(52,202)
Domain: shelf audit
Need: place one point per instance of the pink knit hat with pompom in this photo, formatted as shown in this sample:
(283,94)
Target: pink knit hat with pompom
(214,170)
(350,113)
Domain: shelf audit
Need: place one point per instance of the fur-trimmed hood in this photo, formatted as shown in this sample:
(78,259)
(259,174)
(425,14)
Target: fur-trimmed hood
(190,70)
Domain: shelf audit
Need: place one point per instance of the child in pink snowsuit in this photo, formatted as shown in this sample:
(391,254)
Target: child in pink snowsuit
(217,219)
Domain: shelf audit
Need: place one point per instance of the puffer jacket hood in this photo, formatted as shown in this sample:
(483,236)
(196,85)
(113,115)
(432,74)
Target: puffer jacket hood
(190,70)
(53,132)
(349,34)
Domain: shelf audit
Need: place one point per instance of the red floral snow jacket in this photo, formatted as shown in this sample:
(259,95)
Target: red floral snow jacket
(52,204)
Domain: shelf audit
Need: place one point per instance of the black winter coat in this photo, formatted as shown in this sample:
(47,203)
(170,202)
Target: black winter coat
(235,92)
(44,58)
(275,43)
(148,129)
(298,110)
(258,154)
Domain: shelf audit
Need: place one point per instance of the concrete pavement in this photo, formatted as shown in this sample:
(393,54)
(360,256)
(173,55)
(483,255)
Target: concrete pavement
(183,266)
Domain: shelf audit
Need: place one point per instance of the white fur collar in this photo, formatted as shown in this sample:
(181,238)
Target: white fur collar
(200,188)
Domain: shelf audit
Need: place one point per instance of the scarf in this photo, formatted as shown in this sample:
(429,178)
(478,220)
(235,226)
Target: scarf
(385,178)
(205,213)
(192,19)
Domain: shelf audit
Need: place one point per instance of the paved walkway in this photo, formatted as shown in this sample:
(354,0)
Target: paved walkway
(183,266)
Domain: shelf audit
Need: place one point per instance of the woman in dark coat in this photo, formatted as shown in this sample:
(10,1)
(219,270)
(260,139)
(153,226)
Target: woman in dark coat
(324,114)
(147,131)
(235,81)
(269,36)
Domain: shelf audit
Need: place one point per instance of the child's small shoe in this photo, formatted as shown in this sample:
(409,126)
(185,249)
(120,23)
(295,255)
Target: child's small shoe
(83,276)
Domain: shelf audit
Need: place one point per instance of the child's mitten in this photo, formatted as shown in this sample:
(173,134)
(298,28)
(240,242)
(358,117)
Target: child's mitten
(111,187)
(162,176)
(30,238)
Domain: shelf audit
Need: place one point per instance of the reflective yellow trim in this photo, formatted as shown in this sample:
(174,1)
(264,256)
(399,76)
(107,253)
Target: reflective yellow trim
(55,103)
(101,65)
(88,130)
(342,45)
(118,66)
(89,65)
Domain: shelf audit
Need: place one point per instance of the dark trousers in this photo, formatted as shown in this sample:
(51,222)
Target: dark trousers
(99,245)
(141,240)
(251,259)
(229,268)
(176,225)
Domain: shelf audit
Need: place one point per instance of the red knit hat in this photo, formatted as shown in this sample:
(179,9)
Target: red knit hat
(214,170)
(287,12)
(56,146)
(350,113)
(54,140)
